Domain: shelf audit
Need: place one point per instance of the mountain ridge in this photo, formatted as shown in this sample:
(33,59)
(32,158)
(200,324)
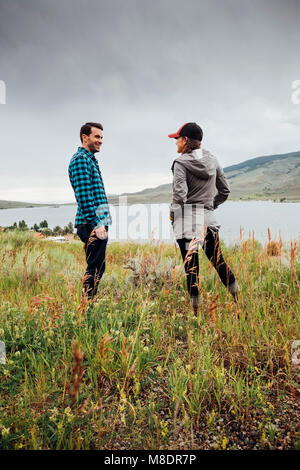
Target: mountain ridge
(258,178)
(263,159)
(275,177)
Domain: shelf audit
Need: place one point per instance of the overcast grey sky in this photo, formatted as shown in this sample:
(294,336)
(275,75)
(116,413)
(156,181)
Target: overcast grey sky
(142,68)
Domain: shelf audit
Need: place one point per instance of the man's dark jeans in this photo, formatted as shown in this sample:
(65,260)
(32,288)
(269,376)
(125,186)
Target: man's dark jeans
(95,256)
(213,252)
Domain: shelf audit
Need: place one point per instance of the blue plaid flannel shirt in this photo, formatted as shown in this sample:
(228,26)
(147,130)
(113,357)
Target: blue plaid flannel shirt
(86,180)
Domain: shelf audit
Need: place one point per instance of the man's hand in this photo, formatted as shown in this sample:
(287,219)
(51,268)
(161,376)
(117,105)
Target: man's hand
(101,232)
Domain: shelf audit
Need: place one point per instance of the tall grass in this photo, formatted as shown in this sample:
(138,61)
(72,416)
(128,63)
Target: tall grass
(137,369)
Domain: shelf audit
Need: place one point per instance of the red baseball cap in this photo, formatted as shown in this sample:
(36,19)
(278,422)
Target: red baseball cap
(190,130)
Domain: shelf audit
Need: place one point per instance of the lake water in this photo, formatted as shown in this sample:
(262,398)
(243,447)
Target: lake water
(141,222)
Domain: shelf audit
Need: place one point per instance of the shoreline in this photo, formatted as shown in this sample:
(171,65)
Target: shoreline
(130,203)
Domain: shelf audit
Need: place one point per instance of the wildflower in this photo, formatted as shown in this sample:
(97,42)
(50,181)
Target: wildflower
(164,428)
(17,353)
(69,414)
(224,443)
(59,426)
(54,413)
(146,349)
(4,431)
(1,332)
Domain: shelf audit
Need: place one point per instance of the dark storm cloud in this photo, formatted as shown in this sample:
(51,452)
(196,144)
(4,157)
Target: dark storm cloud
(143,68)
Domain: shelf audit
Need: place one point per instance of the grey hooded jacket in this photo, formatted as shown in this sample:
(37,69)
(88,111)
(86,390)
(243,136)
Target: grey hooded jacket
(199,179)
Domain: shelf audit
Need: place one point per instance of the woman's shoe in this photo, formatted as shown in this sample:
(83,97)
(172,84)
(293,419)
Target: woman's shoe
(234,290)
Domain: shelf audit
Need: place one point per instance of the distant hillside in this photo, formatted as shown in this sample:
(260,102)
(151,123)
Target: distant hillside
(161,193)
(20,205)
(274,177)
(16,204)
(269,177)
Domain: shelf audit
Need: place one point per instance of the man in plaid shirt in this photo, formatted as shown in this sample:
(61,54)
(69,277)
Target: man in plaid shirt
(93,216)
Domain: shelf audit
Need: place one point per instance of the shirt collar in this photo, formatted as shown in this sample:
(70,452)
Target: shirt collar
(87,153)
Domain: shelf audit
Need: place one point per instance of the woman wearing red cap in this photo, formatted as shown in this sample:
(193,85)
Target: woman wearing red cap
(196,177)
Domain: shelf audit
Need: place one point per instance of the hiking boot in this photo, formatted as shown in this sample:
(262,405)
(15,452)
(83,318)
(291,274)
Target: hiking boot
(195,303)
(234,290)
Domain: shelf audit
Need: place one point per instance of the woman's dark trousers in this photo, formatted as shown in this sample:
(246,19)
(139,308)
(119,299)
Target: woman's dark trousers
(212,249)
(95,257)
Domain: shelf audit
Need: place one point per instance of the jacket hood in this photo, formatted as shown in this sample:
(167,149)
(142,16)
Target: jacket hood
(202,166)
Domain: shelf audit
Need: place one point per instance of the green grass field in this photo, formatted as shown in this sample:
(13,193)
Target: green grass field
(137,369)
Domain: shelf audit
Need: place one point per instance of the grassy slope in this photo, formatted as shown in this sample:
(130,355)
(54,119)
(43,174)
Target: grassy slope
(154,376)
(16,204)
(266,178)
(270,177)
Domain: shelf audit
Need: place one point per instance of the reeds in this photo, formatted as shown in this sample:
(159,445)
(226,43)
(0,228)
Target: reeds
(136,369)
(72,387)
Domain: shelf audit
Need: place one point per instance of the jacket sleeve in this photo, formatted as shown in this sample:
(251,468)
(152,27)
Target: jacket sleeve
(222,187)
(82,183)
(180,188)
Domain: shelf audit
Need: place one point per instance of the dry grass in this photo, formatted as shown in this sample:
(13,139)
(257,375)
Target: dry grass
(136,369)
